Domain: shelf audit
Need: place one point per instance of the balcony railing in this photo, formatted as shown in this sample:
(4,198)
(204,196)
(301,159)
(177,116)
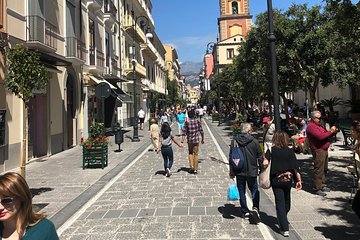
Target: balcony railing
(100,59)
(109,7)
(75,48)
(39,30)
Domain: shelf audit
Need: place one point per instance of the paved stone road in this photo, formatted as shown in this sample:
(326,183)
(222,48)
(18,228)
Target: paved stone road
(132,199)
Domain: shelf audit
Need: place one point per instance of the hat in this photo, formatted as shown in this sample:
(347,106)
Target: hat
(266,120)
(153,120)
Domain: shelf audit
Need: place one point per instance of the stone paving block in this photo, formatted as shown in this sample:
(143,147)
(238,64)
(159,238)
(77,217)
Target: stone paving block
(197,211)
(180,234)
(199,234)
(153,227)
(130,213)
(146,212)
(129,228)
(163,212)
(180,211)
(188,219)
(113,213)
(96,215)
(212,211)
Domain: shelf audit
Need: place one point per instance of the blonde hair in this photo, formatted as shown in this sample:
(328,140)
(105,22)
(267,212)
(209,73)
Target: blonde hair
(14,185)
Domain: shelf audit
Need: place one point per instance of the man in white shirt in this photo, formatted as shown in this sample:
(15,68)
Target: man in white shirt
(141,115)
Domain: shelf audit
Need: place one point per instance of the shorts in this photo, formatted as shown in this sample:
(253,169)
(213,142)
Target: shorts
(141,120)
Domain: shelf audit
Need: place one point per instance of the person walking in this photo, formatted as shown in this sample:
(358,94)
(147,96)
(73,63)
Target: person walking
(248,175)
(284,171)
(318,138)
(192,129)
(269,130)
(141,115)
(166,138)
(180,117)
(154,134)
(18,220)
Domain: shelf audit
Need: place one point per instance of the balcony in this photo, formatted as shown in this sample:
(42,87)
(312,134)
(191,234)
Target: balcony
(140,71)
(95,5)
(96,61)
(75,50)
(110,12)
(149,50)
(41,34)
(140,36)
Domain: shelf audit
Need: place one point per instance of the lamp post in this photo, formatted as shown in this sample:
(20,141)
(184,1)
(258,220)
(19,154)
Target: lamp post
(275,84)
(143,21)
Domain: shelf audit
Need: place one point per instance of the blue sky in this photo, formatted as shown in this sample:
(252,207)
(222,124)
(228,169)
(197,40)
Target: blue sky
(189,25)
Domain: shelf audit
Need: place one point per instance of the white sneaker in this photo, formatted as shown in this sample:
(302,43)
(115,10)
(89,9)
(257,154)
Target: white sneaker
(168,173)
(285,233)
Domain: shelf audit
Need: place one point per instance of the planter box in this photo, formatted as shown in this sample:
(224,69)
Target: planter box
(215,118)
(95,155)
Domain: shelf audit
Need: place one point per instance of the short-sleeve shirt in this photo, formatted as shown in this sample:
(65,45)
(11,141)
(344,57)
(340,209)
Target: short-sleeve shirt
(141,114)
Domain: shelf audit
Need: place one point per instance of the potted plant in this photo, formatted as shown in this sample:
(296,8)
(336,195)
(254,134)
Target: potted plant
(331,103)
(95,148)
(236,128)
(215,116)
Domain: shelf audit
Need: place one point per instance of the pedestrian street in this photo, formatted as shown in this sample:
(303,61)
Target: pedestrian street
(143,204)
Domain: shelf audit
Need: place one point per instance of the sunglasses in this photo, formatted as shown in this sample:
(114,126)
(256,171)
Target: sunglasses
(6,200)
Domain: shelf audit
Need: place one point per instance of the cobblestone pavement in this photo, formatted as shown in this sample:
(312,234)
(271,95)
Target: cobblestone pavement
(132,199)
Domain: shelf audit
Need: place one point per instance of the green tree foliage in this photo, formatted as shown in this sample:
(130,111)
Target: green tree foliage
(345,19)
(25,72)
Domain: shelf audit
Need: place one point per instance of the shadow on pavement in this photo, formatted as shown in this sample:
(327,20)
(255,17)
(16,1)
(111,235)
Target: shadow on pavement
(184,169)
(38,191)
(229,211)
(218,161)
(161,172)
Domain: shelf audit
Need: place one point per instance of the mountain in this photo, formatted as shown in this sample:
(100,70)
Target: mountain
(191,72)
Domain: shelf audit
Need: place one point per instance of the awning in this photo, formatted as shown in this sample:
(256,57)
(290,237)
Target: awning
(99,80)
(119,93)
(109,77)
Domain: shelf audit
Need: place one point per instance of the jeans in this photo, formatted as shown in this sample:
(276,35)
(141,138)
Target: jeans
(252,183)
(168,156)
(282,202)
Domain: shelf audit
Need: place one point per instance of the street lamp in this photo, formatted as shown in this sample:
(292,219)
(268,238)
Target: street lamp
(275,84)
(143,21)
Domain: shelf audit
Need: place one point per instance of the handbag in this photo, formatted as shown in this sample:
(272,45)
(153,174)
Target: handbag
(264,177)
(233,192)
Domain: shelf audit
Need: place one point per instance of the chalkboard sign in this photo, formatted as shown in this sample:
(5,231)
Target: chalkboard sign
(2,126)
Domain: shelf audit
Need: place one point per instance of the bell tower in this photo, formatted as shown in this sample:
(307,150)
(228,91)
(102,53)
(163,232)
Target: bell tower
(235,18)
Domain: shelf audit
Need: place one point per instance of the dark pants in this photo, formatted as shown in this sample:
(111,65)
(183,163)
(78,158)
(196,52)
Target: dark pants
(320,159)
(282,202)
(252,183)
(168,156)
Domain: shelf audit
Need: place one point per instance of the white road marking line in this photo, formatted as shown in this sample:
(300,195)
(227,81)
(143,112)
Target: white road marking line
(264,229)
(77,214)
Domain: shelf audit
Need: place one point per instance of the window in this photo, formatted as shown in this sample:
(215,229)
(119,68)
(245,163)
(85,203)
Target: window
(92,41)
(107,48)
(234,7)
(230,53)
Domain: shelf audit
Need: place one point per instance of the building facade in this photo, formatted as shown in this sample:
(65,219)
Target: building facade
(87,46)
(234,24)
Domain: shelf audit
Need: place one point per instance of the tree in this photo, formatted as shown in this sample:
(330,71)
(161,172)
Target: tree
(25,73)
